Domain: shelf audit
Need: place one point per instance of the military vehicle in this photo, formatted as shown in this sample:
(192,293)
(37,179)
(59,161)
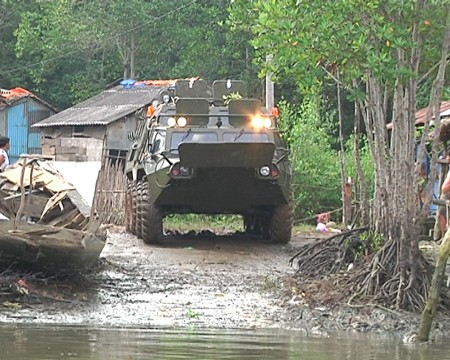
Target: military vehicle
(208,150)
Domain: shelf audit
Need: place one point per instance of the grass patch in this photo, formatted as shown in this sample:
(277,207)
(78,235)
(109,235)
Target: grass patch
(184,223)
(197,223)
(303,228)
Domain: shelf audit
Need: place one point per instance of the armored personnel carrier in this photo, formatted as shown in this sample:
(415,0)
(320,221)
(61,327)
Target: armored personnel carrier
(208,150)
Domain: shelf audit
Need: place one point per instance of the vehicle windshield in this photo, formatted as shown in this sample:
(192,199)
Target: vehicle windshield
(245,137)
(191,136)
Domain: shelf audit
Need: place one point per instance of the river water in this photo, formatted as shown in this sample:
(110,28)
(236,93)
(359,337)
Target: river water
(48,343)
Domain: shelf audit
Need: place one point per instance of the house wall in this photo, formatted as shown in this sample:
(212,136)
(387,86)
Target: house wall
(18,120)
(116,133)
(73,143)
(85,143)
(2,121)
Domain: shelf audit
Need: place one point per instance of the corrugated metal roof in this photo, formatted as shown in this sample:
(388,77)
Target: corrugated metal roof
(12,96)
(421,115)
(104,108)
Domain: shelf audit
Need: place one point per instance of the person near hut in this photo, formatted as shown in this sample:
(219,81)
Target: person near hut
(443,210)
(4,147)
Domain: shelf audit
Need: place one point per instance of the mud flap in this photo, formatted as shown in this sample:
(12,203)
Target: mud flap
(203,155)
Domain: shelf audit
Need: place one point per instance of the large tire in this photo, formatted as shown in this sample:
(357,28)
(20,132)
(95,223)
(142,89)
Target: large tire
(151,216)
(280,225)
(138,211)
(254,224)
(133,214)
(129,207)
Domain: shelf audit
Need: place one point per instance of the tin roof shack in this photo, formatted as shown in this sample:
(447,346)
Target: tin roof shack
(95,132)
(19,111)
(97,126)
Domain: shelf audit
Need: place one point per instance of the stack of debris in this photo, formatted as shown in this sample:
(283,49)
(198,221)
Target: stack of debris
(33,188)
(49,223)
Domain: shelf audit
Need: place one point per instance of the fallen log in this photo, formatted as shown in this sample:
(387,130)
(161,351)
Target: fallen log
(49,248)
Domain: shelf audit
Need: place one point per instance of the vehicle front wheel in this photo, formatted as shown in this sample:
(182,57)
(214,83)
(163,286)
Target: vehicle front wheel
(129,207)
(151,217)
(137,209)
(132,213)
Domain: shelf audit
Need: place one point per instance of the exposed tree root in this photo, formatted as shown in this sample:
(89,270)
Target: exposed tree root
(365,276)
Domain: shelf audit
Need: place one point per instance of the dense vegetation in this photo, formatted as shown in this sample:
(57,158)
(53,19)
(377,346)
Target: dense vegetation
(66,51)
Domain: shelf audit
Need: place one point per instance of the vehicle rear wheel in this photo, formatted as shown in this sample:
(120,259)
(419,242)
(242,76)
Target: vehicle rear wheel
(280,224)
(152,217)
(254,224)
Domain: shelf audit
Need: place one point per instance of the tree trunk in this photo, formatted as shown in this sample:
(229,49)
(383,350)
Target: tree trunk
(346,210)
(430,309)
(363,190)
(133,55)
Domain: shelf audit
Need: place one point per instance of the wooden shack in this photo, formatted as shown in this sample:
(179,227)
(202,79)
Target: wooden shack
(96,127)
(96,130)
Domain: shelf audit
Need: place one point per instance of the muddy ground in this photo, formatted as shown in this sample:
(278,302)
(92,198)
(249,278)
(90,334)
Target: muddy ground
(202,281)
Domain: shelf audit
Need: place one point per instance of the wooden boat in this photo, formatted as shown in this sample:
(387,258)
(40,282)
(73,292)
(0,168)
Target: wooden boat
(49,248)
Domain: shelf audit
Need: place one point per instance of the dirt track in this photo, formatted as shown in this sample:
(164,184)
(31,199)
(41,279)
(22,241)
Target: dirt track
(201,281)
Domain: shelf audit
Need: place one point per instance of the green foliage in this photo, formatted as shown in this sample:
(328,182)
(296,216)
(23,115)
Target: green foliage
(371,242)
(74,49)
(305,37)
(316,180)
(231,96)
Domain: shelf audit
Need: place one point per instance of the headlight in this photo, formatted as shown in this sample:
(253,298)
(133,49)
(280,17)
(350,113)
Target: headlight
(182,122)
(257,122)
(264,171)
(184,171)
(166,98)
(267,122)
(171,122)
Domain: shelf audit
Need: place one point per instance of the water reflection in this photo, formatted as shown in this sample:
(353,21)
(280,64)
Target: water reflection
(47,343)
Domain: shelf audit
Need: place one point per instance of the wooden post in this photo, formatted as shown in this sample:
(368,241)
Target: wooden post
(22,195)
(30,190)
(347,209)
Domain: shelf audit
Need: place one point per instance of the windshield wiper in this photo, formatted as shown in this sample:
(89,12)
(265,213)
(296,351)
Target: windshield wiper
(239,135)
(186,135)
